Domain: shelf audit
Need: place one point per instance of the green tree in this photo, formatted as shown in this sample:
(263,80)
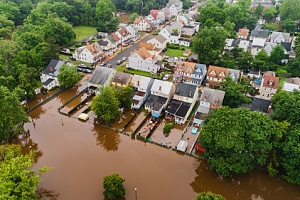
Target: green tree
(68,76)
(290,9)
(289,158)
(125,95)
(244,62)
(286,106)
(209,196)
(277,54)
(261,60)
(107,22)
(237,140)
(106,104)
(12,116)
(17,181)
(133,16)
(289,25)
(269,26)
(113,186)
(258,10)
(234,93)
(209,43)
(211,12)
(293,67)
(167,128)
(6,26)
(269,14)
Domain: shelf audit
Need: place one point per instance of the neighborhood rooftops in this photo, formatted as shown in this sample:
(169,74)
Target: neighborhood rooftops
(243,32)
(160,38)
(212,96)
(122,78)
(156,102)
(100,75)
(270,80)
(185,90)
(260,104)
(53,67)
(260,33)
(147,46)
(143,53)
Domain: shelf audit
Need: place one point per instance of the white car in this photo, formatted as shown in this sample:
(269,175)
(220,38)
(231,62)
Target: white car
(166,77)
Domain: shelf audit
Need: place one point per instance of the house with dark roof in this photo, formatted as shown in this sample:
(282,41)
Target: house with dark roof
(121,79)
(269,85)
(210,99)
(260,33)
(174,38)
(49,75)
(262,105)
(188,30)
(101,76)
(278,37)
(142,86)
(184,42)
(183,101)
(161,94)
(231,43)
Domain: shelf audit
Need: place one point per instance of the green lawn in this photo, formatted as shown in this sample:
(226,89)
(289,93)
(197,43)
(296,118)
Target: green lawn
(175,52)
(281,82)
(142,73)
(84,31)
(74,62)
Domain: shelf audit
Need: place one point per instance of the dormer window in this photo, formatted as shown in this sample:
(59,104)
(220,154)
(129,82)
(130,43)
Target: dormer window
(271,83)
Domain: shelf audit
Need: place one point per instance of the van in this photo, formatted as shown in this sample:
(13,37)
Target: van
(182,145)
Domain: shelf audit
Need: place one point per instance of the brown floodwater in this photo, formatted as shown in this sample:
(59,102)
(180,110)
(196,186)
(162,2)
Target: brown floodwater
(80,154)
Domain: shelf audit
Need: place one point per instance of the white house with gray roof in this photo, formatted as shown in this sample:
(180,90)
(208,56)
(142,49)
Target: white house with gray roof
(188,30)
(209,100)
(158,41)
(102,76)
(181,105)
(49,75)
(257,45)
(142,86)
(161,94)
(278,37)
(260,33)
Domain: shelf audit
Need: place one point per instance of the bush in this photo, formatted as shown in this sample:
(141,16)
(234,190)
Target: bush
(168,128)
(77,45)
(113,186)
(173,46)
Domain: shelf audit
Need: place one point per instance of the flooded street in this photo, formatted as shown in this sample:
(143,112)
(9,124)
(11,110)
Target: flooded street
(81,154)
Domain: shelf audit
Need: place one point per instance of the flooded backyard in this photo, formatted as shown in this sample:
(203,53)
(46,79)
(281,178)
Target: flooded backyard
(80,154)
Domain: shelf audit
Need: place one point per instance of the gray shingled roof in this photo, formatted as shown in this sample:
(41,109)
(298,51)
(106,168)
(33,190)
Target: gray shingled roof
(100,75)
(53,67)
(122,78)
(260,33)
(185,90)
(260,104)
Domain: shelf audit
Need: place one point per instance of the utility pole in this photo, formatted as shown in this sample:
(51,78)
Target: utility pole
(135,190)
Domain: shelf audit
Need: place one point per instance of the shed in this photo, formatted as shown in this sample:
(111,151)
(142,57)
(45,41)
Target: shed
(182,145)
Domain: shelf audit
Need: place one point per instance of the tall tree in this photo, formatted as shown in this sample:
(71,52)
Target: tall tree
(277,55)
(234,93)
(113,186)
(209,43)
(17,181)
(106,104)
(261,60)
(290,9)
(289,25)
(133,16)
(12,116)
(269,14)
(237,140)
(125,95)
(258,10)
(68,76)
(6,26)
(107,22)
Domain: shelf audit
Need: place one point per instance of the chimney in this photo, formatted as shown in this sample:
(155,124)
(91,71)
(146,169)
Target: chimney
(138,83)
(51,69)
(190,94)
(205,98)
(119,80)
(159,88)
(269,108)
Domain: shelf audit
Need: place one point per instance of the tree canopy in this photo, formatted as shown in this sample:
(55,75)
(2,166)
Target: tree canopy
(237,140)
(125,95)
(17,181)
(106,104)
(290,9)
(277,55)
(12,116)
(107,22)
(209,196)
(113,186)
(68,76)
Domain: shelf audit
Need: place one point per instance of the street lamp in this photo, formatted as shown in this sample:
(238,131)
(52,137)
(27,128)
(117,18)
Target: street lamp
(135,190)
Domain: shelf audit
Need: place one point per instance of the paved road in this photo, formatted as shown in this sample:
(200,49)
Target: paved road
(126,52)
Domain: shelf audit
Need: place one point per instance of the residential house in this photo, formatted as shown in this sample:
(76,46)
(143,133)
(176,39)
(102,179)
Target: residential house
(183,18)
(101,76)
(174,11)
(291,84)
(184,42)
(108,45)
(231,43)
(269,46)
(166,32)
(161,94)
(215,75)
(142,60)
(159,15)
(143,24)
(188,72)
(133,31)
(260,33)
(49,75)
(196,25)
(91,53)
(188,30)
(262,105)
(153,21)
(177,25)
(279,37)
(142,86)
(257,45)
(181,105)
(243,33)
(124,36)
(121,79)
(152,49)
(117,39)
(269,85)
(158,41)
(167,13)
(174,38)
(209,100)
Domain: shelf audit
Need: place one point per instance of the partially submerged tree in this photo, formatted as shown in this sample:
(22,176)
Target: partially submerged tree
(106,104)
(67,76)
(237,140)
(209,196)
(17,181)
(113,186)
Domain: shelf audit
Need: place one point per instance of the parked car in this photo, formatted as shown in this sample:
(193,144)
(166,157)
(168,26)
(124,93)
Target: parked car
(103,64)
(166,77)
(124,58)
(79,69)
(109,65)
(119,62)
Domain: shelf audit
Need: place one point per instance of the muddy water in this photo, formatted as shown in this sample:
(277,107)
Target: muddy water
(81,154)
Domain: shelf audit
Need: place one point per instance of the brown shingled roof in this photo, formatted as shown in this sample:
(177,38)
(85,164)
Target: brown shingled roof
(270,80)
(124,32)
(114,35)
(217,70)
(243,32)
(147,46)
(93,48)
(143,53)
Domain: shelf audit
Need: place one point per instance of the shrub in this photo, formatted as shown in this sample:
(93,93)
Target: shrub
(113,186)
(168,128)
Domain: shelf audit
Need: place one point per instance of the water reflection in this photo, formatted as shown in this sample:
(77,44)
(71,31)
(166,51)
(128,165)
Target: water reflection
(47,194)
(108,139)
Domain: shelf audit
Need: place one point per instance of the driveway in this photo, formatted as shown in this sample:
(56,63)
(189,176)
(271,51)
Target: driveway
(126,52)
